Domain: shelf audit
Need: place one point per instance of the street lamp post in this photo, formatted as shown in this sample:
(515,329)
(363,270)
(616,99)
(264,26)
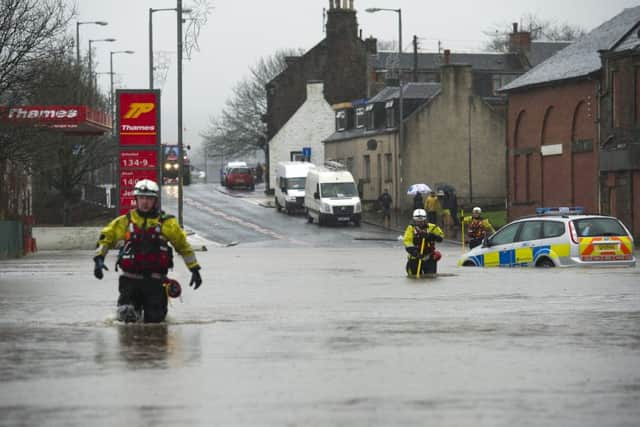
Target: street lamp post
(401,99)
(151,11)
(90,70)
(111,109)
(180,144)
(78,35)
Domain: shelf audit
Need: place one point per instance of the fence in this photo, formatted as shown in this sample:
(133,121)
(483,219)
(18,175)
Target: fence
(11,239)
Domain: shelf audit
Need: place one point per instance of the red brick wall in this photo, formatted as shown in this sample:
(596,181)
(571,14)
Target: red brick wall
(561,114)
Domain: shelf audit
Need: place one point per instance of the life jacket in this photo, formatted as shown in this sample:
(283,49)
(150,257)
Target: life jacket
(418,235)
(476,228)
(145,251)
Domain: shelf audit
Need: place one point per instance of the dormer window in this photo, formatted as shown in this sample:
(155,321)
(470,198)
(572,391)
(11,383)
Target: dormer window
(370,116)
(360,117)
(390,114)
(341,120)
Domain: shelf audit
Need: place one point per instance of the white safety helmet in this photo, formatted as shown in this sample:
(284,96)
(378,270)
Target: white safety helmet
(419,215)
(146,187)
(476,210)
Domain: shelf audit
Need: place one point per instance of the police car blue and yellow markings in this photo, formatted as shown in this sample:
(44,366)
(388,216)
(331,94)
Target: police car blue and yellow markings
(519,257)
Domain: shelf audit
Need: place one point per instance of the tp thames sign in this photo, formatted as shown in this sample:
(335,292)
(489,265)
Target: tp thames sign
(139,136)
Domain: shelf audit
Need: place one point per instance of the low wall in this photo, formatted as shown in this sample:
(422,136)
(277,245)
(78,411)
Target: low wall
(65,238)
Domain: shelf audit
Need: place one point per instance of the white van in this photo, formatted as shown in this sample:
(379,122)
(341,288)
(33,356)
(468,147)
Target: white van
(290,183)
(332,195)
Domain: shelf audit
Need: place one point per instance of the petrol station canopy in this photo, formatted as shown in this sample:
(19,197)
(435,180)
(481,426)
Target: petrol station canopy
(69,119)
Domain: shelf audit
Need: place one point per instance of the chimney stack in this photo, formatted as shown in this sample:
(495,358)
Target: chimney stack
(519,41)
(447,56)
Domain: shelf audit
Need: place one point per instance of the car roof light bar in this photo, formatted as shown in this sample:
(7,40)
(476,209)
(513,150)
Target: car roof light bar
(563,210)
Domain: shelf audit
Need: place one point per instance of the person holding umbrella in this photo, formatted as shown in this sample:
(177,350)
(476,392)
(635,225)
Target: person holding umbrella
(417,190)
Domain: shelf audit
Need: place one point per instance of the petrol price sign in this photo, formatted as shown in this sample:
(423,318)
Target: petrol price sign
(138,159)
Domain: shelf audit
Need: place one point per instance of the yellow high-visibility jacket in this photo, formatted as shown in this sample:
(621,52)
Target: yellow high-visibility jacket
(432,204)
(117,229)
(409,235)
(484,223)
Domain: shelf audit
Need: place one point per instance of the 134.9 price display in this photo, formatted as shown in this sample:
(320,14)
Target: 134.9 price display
(138,159)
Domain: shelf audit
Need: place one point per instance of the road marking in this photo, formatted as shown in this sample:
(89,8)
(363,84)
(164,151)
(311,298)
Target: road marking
(234,219)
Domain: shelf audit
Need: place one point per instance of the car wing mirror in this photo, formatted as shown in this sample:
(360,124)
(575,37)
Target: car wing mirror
(316,195)
(485,242)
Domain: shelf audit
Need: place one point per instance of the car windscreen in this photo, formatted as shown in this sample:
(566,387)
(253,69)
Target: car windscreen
(589,227)
(296,183)
(338,189)
(240,170)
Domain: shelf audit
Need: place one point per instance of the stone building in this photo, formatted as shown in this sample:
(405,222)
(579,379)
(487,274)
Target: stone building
(339,60)
(553,124)
(306,129)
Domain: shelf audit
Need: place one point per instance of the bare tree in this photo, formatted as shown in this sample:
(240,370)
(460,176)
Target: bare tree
(539,28)
(29,31)
(239,128)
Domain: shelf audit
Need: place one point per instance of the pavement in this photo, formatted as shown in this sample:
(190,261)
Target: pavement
(398,222)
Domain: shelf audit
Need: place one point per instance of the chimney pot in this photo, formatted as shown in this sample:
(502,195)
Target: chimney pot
(515,27)
(447,56)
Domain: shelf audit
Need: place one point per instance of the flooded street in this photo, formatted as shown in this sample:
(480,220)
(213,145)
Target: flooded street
(322,336)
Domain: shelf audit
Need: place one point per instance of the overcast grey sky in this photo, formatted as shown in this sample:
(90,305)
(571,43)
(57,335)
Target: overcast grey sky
(239,32)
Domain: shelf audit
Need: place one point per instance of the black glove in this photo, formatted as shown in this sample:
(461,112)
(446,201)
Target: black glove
(97,270)
(431,237)
(196,280)
(413,251)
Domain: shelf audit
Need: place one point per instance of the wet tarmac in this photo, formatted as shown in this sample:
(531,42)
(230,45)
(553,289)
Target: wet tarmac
(322,337)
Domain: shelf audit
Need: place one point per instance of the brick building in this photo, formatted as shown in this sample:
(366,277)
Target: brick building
(620,130)
(553,124)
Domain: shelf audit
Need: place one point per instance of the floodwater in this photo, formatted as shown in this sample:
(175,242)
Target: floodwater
(322,337)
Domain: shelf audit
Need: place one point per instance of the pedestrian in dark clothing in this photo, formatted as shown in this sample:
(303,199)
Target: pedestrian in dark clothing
(258,172)
(418,202)
(385,201)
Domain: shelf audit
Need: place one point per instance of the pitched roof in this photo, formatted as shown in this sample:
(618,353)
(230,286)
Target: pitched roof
(411,90)
(581,58)
(506,62)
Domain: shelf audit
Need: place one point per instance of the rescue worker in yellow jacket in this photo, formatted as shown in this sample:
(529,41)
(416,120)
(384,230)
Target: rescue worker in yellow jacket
(420,243)
(477,227)
(146,256)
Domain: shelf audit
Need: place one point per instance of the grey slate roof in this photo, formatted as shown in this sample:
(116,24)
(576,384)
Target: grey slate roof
(410,91)
(580,58)
(507,62)
(631,41)
(544,50)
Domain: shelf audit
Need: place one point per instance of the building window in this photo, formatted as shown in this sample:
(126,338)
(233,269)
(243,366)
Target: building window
(388,167)
(390,114)
(500,80)
(370,116)
(341,120)
(360,117)
(367,167)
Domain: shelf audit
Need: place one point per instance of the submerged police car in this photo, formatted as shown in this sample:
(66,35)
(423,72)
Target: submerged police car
(556,237)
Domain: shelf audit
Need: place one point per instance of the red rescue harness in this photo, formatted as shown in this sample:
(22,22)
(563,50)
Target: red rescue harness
(476,228)
(145,250)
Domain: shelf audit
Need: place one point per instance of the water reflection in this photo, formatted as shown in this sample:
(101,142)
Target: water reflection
(146,345)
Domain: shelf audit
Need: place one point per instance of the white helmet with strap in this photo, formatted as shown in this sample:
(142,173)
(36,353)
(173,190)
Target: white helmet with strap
(146,187)
(476,210)
(419,215)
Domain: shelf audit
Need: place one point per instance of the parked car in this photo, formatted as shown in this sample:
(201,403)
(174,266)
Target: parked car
(227,168)
(556,237)
(240,177)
